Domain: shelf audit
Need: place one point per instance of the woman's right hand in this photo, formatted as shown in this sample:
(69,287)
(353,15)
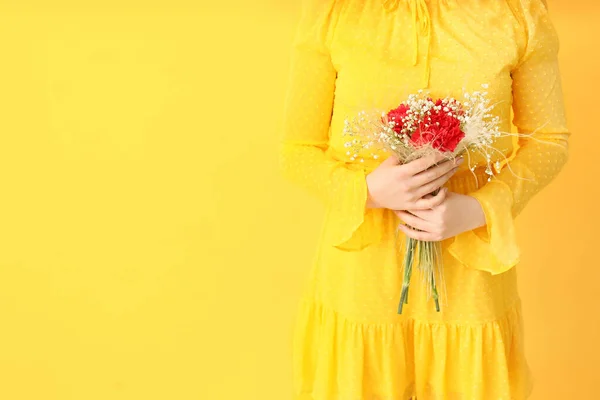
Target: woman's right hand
(406,186)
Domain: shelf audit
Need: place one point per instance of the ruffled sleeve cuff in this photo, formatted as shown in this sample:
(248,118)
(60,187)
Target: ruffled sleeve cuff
(351,226)
(492,247)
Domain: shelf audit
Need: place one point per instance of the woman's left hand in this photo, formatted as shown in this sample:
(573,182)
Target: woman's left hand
(456,214)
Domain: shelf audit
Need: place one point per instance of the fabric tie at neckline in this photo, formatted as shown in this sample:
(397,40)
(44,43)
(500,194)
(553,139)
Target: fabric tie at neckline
(421,21)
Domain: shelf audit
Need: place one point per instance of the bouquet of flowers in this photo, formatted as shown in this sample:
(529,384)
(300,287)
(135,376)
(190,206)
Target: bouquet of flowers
(418,127)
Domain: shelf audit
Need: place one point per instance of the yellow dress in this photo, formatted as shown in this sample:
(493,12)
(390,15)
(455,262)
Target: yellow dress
(349,342)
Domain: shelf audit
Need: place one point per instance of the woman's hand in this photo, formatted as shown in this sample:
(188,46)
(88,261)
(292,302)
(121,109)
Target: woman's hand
(456,214)
(404,186)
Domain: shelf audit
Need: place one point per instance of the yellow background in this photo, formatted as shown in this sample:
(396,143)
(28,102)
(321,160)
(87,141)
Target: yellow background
(150,250)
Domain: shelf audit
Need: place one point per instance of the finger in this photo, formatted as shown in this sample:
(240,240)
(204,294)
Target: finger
(421,164)
(434,172)
(435,184)
(418,235)
(415,221)
(426,215)
(429,201)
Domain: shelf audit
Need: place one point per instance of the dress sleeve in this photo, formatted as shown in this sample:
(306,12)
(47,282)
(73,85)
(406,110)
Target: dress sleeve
(538,110)
(303,156)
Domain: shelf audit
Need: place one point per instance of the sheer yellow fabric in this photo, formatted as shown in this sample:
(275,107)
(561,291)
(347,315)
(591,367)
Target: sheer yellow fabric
(353,55)
(538,108)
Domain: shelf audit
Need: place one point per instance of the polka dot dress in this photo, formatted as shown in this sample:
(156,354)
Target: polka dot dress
(349,341)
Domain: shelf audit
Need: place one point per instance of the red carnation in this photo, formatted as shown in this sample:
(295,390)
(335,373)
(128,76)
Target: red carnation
(440,129)
(396,115)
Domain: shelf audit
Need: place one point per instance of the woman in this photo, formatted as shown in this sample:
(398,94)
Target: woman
(350,55)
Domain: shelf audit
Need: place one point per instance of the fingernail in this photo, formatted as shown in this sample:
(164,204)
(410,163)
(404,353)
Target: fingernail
(460,160)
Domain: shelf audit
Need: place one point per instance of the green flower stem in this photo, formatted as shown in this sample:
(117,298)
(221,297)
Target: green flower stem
(434,291)
(428,256)
(408,262)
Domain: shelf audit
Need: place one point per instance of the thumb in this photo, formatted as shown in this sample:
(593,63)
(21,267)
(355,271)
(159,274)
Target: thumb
(391,160)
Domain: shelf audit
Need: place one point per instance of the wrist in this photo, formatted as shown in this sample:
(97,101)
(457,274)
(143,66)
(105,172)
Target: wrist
(370,203)
(478,213)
